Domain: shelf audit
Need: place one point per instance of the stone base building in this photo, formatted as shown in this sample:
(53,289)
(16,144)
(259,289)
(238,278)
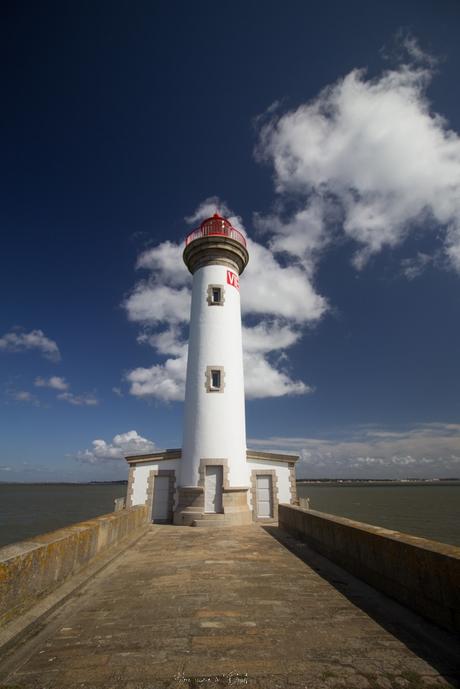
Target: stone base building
(152,481)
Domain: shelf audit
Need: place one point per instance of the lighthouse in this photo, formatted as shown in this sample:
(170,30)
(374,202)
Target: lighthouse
(213,480)
(214,474)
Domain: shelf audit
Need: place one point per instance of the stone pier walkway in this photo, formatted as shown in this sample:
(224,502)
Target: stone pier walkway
(234,607)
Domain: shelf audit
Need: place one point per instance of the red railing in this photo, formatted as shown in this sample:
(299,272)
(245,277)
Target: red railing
(215,226)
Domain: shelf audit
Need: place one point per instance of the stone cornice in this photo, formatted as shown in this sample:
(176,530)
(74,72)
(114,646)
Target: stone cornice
(155,456)
(177,454)
(270,456)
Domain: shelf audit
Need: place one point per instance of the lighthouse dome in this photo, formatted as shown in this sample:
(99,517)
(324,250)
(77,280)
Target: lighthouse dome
(216,241)
(216,226)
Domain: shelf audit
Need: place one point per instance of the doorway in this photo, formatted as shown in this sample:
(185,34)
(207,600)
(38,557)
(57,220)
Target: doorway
(264,496)
(213,489)
(160,507)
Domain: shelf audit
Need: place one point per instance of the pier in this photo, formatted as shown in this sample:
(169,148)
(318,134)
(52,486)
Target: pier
(243,606)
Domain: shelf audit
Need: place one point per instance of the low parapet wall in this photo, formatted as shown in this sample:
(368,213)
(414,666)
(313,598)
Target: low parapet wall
(423,575)
(32,569)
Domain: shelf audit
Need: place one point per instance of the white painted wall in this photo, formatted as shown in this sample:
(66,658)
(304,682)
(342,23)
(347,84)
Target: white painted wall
(141,475)
(214,423)
(282,474)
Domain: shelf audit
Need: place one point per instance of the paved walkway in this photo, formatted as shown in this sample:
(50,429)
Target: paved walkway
(234,607)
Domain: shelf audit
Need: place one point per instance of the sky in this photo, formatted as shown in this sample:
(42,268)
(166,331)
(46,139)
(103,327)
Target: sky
(329,133)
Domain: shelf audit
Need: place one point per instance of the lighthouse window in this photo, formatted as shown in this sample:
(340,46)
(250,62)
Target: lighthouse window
(216,295)
(215,379)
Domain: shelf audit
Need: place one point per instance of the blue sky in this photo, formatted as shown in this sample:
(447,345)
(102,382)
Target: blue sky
(329,133)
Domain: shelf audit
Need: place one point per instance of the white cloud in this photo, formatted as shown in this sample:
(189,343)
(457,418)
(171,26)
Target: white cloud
(408,44)
(158,303)
(87,400)
(371,152)
(23,396)
(54,382)
(166,342)
(18,341)
(163,381)
(413,267)
(301,235)
(62,387)
(263,379)
(269,336)
(117,391)
(274,290)
(426,450)
(122,445)
(165,260)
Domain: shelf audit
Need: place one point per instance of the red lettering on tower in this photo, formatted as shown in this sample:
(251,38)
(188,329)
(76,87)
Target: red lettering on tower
(232,279)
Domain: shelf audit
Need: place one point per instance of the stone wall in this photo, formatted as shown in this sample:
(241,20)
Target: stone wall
(32,569)
(422,575)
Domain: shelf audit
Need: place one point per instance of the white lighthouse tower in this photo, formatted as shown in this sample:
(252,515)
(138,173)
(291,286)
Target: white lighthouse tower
(214,475)
(213,479)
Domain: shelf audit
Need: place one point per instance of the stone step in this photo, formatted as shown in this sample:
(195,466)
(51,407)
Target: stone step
(212,523)
(212,516)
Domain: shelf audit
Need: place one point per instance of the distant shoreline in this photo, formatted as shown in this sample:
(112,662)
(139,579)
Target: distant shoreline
(64,483)
(124,482)
(379,481)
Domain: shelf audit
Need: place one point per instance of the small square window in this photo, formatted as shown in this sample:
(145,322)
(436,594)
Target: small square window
(215,379)
(216,295)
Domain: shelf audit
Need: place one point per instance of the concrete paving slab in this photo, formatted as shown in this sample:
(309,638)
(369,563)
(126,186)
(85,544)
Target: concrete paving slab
(240,607)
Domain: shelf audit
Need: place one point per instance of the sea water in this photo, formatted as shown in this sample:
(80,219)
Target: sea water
(430,510)
(27,510)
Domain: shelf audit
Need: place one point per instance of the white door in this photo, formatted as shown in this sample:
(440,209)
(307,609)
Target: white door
(160,510)
(264,497)
(213,489)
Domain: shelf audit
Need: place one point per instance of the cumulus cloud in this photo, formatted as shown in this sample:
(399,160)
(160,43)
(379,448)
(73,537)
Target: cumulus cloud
(122,445)
(269,336)
(301,235)
(166,342)
(279,299)
(158,303)
(423,451)
(166,261)
(368,156)
(268,288)
(62,387)
(264,379)
(18,341)
(164,381)
(54,382)
(23,396)
(87,400)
